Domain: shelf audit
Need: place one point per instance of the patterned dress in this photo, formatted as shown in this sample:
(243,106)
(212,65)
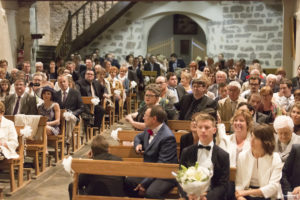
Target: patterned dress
(50,113)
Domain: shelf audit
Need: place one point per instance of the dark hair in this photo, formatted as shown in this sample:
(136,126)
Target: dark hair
(249,106)
(255,61)
(170,74)
(253,94)
(49,89)
(173,55)
(200,81)
(255,78)
(3,61)
(99,145)
(286,81)
(265,133)
(222,85)
(159,113)
(128,56)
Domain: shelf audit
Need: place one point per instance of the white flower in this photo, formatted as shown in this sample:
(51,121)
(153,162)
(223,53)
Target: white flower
(26,131)
(95,101)
(133,84)
(67,164)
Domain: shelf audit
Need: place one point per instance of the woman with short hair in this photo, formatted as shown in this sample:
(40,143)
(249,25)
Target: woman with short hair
(259,169)
(185,81)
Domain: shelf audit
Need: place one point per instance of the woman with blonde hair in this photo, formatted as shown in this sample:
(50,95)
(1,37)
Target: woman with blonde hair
(185,81)
(267,106)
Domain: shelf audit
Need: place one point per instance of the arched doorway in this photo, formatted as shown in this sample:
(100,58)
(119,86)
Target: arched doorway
(177,34)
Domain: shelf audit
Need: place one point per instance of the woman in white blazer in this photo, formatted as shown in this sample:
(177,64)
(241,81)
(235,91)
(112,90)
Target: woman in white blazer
(239,141)
(259,169)
(8,137)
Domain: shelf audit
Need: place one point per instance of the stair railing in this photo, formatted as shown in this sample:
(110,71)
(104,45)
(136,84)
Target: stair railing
(78,22)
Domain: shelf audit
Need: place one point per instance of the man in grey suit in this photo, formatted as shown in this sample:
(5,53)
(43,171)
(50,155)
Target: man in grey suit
(178,90)
(158,145)
(20,102)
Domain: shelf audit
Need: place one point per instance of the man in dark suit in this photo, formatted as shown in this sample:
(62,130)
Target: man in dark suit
(71,67)
(158,145)
(206,153)
(178,90)
(98,184)
(69,99)
(195,102)
(20,102)
(152,65)
(175,63)
(90,87)
(290,180)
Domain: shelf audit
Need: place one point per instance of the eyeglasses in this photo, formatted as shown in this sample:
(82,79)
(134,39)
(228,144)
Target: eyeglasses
(150,95)
(254,84)
(90,74)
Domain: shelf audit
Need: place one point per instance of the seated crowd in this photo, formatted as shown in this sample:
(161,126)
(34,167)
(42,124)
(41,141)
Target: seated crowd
(239,117)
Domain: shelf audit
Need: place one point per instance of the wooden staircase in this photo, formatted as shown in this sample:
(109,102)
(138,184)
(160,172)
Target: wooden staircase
(89,21)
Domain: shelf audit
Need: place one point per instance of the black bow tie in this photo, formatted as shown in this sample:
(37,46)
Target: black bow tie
(200,146)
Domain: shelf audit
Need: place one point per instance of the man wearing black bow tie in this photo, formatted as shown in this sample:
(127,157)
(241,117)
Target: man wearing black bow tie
(158,145)
(206,153)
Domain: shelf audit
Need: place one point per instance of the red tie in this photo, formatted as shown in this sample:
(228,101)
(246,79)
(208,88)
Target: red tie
(150,132)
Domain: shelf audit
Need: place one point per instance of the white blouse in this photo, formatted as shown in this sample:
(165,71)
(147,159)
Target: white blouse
(9,135)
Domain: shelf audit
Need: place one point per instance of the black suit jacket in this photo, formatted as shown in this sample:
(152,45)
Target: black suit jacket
(290,172)
(295,83)
(180,64)
(100,184)
(262,118)
(180,91)
(220,160)
(156,67)
(162,149)
(185,141)
(84,88)
(73,102)
(187,106)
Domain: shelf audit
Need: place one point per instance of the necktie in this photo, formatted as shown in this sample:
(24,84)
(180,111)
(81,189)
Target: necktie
(200,146)
(17,106)
(27,78)
(233,106)
(65,96)
(150,132)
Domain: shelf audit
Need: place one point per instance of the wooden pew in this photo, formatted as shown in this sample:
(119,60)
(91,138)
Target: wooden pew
(118,168)
(59,140)
(176,125)
(36,147)
(17,163)
(89,130)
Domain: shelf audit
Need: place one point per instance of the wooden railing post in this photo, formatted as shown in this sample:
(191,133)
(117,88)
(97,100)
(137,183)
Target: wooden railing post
(70,26)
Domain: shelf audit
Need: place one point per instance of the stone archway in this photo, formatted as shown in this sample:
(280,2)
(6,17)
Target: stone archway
(179,34)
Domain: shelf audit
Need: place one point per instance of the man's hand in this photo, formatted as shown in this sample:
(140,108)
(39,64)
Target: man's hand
(90,154)
(129,118)
(141,190)
(296,190)
(139,149)
(241,193)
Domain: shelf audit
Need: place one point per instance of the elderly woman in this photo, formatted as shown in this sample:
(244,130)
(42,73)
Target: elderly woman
(239,141)
(285,138)
(151,98)
(267,106)
(259,168)
(123,78)
(8,137)
(51,110)
(295,115)
(186,81)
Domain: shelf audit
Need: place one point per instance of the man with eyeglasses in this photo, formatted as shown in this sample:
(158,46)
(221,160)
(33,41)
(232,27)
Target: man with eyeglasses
(161,81)
(254,83)
(151,98)
(197,101)
(90,87)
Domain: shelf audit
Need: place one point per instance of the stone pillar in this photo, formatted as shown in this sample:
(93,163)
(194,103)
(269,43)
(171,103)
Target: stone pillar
(5,50)
(287,59)
(43,21)
(297,52)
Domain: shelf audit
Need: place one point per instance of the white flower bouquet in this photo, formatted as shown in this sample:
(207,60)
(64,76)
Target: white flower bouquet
(194,180)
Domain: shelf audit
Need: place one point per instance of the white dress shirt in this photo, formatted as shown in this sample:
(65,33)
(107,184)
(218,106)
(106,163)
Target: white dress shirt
(155,131)
(204,155)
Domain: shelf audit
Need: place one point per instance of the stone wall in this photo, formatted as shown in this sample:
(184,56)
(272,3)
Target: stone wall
(123,38)
(250,30)
(245,29)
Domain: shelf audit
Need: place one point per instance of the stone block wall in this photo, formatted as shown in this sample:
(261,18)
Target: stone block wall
(249,30)
(122,38)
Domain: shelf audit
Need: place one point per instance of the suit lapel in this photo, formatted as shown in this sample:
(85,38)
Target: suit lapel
(157,136)
(228,111)
(22,103)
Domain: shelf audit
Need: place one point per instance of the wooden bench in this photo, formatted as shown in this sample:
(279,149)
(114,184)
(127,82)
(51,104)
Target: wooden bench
(59,140)
(16,163)
(36,147)
(118,168)
(176,125)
